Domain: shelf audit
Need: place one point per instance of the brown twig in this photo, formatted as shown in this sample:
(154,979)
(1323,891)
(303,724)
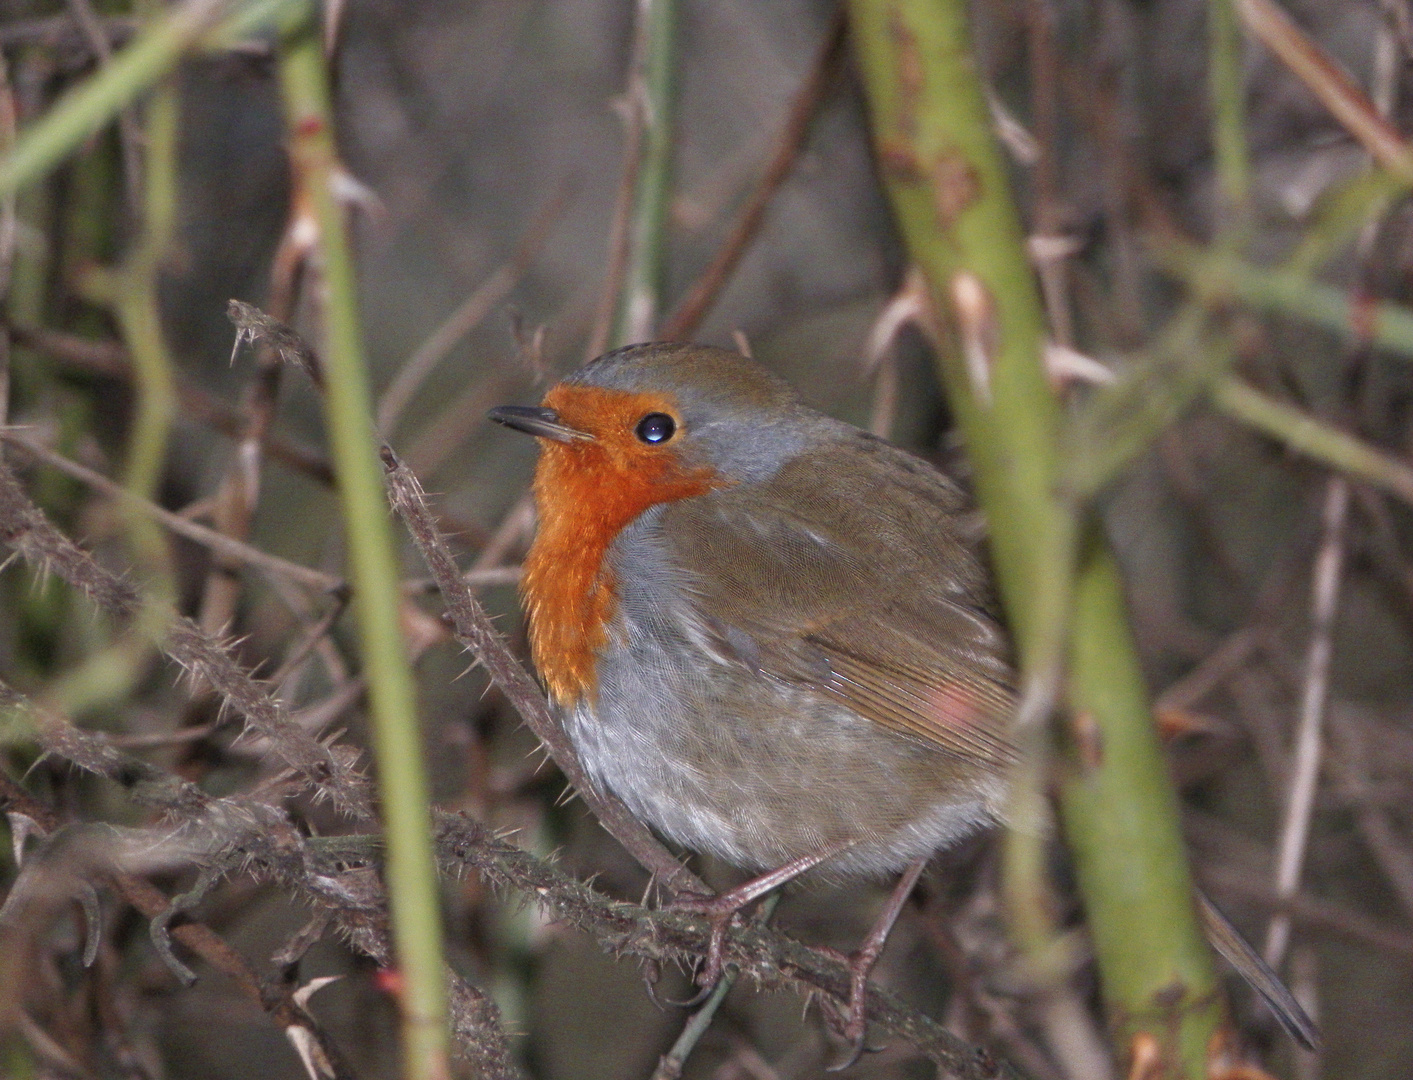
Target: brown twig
(281,1001)
(693,307)
(235,551)
(238,492)
(110,360)
(634,111)
(468,314)
(762,954)
(1329,82)
(129,134)
(232,833)
(1308,751)
(56,31)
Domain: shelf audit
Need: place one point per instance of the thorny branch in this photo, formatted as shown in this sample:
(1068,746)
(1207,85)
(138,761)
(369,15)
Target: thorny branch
(220,836)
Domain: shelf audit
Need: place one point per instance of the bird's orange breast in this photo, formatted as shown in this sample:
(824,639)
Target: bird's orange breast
(586,492)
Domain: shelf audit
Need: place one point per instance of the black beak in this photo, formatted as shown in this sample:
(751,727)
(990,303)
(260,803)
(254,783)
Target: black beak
(536,421)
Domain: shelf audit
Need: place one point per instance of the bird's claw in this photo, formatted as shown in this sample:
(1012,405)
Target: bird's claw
(714,963)
(850,1022)
(852,1026)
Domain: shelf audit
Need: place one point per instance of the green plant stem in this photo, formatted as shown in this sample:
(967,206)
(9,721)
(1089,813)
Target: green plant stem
(1342,213)
(948,186)
(653,86)
(1226,90)
(1216,277)
(1120,421)
(1306,435)
(152,54)
(1120,818)
(411,870)
(137,303)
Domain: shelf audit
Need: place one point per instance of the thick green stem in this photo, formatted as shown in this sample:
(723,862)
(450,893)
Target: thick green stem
(1120,817)
(373,571)
(950,192)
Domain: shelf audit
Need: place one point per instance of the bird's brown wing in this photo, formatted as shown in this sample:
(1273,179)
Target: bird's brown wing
(849,573)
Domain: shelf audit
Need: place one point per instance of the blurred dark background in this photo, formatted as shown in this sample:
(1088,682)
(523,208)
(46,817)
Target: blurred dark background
(484,140)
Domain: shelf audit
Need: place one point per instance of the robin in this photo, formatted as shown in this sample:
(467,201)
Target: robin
(770,634)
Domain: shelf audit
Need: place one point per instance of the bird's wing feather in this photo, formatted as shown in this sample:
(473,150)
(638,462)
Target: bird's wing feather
(849,573)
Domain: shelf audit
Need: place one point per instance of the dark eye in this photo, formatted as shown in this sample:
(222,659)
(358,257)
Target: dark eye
(656,427)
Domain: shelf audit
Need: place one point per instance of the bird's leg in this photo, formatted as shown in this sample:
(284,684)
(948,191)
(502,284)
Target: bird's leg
(853,1025)
(720,909)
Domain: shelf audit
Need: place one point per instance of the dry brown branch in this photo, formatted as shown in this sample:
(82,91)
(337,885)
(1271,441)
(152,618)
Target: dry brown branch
(1309,739)
(60,31)
(351,901)
(232,549)
(130,136)
(767,957)
(467,316)
(92,752)
(238,492)
(692,308)
(110,360)
(1329,82)
(633,107)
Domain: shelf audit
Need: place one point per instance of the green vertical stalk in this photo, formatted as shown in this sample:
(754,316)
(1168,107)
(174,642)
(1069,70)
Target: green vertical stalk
(1226,90)
(411,870)
(652,84)
(137,304)
(948,184)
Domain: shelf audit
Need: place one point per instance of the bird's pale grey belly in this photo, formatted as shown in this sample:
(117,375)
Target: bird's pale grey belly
(725,760)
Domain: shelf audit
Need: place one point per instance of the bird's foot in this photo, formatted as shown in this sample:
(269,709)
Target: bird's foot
(850,1021)
(719,911)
